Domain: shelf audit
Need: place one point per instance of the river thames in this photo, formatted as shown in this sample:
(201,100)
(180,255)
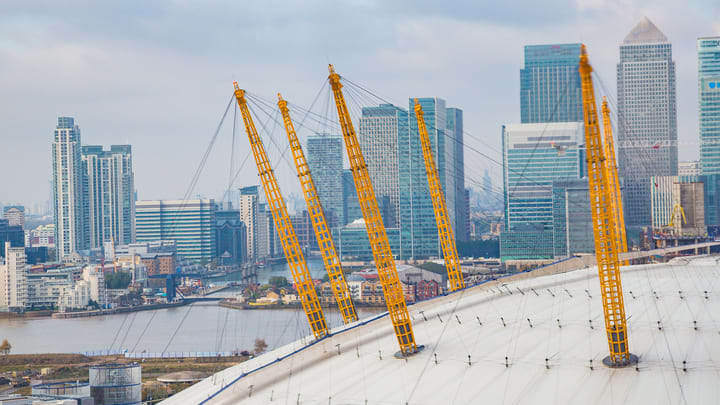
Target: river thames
(201,327)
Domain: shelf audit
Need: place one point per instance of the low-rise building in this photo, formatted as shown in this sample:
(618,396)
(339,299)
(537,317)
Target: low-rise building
(76,296)
(45,288)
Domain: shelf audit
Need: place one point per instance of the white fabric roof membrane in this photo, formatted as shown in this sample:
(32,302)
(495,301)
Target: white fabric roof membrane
(553,328)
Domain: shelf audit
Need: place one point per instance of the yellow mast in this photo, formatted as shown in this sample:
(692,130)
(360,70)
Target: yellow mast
(301,276)
(317,217)
(447,238)
(613,177)
(384,261)
(604,226)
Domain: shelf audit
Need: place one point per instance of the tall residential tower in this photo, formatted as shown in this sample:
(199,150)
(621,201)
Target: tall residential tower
(109,200)
(68,189)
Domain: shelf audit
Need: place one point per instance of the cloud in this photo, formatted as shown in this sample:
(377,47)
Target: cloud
(158,74)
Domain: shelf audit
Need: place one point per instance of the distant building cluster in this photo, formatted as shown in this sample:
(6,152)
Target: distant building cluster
(547,207)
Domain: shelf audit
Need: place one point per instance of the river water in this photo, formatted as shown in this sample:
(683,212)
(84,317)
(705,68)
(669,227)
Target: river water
(201,327)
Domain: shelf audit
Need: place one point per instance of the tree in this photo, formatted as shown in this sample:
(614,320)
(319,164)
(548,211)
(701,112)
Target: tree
(278,281)
(260,346)
(5,347)
(120,279)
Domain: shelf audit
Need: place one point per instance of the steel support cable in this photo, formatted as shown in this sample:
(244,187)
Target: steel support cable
(127,330)
(144,330)
(667,342)
(177,329)
(117,333)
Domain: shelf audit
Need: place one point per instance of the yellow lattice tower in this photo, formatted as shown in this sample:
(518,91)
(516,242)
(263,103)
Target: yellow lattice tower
(317,217)
(612,169)
(447,238)
(296,261)
(384,261)
(604,226)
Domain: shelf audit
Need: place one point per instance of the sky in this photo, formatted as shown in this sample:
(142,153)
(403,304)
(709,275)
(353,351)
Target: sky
(158,74)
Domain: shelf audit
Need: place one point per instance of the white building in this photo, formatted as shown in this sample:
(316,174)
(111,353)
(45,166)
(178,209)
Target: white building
(68,189)
(110,199)
(248,204)
(42,236)
(44,289)
(689,168)
(95,277)
(76,296)
(13,286)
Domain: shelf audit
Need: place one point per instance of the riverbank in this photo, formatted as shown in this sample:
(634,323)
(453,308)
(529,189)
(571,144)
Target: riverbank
(119,310)
(232,304)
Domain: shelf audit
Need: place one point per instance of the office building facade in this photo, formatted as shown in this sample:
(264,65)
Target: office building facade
(550,88)
(380,130)
(456,171)
(109,194)
(68,191)
(230,238)
(647,125)
(190,223)
(572,218)
(324,158)
(708,50)
(534,156)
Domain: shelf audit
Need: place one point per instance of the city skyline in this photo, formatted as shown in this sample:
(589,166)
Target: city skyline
(123,104)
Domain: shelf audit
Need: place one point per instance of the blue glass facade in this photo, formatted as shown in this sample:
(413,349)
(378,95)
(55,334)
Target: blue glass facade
(709,103)
(324,158)
(550,84)
(534,156)
(572,218)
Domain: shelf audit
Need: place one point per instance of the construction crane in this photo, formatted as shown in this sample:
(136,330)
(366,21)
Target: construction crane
(296,261)
(447,238)
(317,217)
(384,261)
(612,174)
(604,226)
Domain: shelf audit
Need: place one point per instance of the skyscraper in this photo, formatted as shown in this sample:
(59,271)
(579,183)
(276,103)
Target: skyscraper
(109,199)
(351,206)
(647,118)
(248,205)
(708,49)
(324,158)
(456,170)
(379,132)
(534,156)
(550,88)
(68,189)
(190,223)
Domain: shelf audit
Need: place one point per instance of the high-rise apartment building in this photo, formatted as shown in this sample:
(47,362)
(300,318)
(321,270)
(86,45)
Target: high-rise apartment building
(190,223)
(248,205)
(13,279)
(550,88)
(708,49)
(647,118)
(534,156)
(68,189)
(324,158)
(109,195)
(15,214)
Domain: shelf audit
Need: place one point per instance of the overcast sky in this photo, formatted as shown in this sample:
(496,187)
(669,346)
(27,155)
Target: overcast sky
(158,74)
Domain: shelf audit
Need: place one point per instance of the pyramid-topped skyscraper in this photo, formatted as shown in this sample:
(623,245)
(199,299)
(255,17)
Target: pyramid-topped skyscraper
(647,118)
